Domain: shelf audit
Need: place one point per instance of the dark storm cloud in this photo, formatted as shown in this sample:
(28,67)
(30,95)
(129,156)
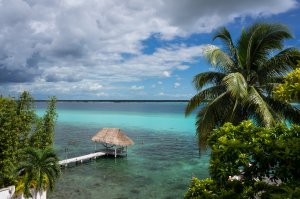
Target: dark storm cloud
(26,72)
(58,78)
(204,16)
(17,76)
(72,50)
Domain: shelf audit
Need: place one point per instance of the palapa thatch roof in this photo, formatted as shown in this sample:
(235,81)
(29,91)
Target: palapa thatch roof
(113,136)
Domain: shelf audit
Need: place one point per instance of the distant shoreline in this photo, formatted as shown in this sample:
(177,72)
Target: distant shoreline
(116,101)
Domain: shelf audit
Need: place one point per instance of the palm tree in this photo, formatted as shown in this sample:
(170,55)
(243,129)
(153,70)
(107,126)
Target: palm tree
(241,86)
(39,170)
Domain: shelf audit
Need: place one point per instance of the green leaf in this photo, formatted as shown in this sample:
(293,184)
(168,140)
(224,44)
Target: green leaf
(236,85)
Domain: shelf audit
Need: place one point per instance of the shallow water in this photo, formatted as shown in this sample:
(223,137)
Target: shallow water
(160,164)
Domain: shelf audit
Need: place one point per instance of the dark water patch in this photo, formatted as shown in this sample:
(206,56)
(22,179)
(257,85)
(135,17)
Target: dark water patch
(169,197)
(155,168)
(97,184)
(179,186)
(142,180)
(134,191)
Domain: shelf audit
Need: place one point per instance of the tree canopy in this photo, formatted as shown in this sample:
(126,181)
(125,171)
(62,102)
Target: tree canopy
(16,119)
(241,86)
(39,169)
(43,136)
(21,128)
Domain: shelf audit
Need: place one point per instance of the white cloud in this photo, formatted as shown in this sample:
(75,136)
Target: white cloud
(176,85)
(102,94)
(166,73)
(161,93)
(137,87)
(159,82)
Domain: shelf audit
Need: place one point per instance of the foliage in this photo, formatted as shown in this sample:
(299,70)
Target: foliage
(44,133)
(16,118)
(290,89)
(246,72)
(19,126)
(272,152)
(255,154)
(208,189)
(202,189)
(38,170)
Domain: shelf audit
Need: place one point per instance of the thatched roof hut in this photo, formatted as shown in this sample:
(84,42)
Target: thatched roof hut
(112,136)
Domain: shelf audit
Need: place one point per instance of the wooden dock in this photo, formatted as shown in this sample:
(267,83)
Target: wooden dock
(81,158)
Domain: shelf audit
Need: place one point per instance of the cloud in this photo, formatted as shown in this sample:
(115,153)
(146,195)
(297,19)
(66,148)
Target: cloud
(158,83)
(204,16)
(102,94)
(81,80)
(17,75)
(137,87)
(167,73)
(176,85)
(60,44)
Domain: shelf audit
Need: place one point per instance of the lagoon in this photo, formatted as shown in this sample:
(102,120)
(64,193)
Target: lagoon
(160,164)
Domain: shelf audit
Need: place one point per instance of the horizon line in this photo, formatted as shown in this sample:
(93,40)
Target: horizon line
(74,100)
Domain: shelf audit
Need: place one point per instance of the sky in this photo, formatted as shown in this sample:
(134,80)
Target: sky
(121,49)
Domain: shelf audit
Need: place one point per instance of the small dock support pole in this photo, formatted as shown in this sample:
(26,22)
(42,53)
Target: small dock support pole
(115,151)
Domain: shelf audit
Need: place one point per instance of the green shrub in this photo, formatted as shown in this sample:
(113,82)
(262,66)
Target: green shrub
(253,153)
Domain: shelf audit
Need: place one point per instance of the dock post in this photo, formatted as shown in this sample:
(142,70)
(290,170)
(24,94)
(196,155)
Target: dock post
(115,151)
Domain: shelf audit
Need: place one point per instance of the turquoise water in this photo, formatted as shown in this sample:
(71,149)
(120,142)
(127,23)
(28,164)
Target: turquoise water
(160,164)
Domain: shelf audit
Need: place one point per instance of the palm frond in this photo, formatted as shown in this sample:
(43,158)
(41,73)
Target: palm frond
(211,116)
(263,40)
(39,166)
(242,46)
(224,35)
(207,94)
(236,85)
(219,59)
(285,110)
(205,78)
(261,107)
(281,63)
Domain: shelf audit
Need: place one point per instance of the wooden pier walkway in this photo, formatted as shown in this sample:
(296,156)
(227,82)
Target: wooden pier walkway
(81,158)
